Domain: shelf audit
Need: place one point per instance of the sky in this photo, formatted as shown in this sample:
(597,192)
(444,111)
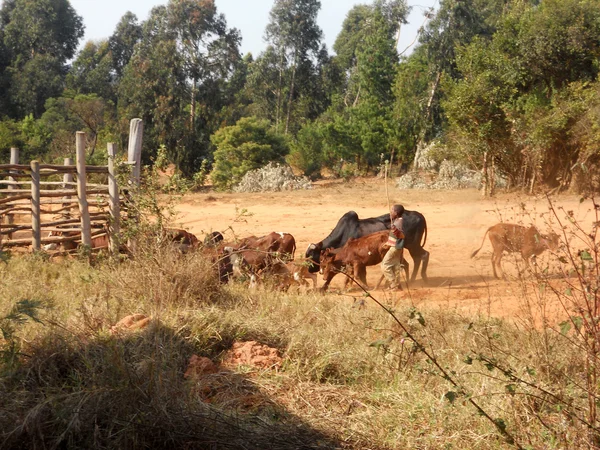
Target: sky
(100,18)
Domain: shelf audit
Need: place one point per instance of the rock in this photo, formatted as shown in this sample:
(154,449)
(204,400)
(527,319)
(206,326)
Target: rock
(272,177)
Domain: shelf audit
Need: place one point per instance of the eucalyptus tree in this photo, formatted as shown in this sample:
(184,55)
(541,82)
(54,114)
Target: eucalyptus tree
(359,125)
(92,71)
(40,36)
(208,49)
(177,77)
(123,41)
(296,38)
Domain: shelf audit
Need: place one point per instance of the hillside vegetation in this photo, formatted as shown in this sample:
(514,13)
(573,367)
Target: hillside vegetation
(509,87)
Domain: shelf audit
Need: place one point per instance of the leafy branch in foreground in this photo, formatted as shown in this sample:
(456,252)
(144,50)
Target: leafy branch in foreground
(460,390)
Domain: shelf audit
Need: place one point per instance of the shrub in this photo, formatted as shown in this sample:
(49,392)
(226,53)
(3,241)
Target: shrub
(247,145)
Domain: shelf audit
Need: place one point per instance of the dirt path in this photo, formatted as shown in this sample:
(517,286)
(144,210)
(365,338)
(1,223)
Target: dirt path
(457,221)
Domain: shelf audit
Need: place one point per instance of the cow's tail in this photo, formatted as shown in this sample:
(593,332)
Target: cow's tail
(425,234)
(482,242)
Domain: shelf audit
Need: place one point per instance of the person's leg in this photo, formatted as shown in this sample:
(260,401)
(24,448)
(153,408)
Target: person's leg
(388,266)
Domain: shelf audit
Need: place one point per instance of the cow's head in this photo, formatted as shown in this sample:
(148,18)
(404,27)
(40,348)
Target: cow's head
(313,254)
(551,240)
(327,264)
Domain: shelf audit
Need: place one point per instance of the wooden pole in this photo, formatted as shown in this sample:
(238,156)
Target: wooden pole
(36,242)
(114,201)
(67,182)
(86,229)
(14,159)
(134,151)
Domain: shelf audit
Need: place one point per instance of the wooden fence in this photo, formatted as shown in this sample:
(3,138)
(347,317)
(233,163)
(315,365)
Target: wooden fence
(76,211)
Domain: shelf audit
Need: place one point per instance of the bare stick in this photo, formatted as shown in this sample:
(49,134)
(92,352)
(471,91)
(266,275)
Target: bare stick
(14,159)
(113,199)
(35,207)
(86,233)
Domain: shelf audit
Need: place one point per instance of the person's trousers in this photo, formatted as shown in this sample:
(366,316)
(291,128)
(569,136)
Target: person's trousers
(392,261)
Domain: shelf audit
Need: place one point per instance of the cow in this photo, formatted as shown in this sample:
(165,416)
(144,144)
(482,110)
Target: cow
(213,239)
(285,275)
(357,253)
(182,239)
(254,254)
(516,239)
(351,227)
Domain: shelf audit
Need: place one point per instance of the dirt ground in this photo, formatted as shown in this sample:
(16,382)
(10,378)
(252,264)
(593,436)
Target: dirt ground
(456,220)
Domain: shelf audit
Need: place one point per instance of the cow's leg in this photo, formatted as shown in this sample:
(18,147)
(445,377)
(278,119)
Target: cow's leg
(327,281)
(419,255)
(405,266)
(496,258)
(313,277)
(425,260)
(360,274)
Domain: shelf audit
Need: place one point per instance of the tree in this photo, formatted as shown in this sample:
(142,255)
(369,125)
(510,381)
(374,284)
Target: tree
(123,41)
(248,145)
(40,36)
(208,50)
(294,34)
(177,79)
(91,72)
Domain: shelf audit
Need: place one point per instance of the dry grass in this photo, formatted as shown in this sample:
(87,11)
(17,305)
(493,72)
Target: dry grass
(350,377)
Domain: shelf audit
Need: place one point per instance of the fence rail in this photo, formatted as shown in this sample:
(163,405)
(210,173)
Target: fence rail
(78,210)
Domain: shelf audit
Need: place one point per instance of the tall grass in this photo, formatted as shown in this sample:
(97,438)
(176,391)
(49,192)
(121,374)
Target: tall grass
(351,378)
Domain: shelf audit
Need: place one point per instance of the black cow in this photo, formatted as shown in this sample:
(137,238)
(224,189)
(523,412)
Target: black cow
(350,226)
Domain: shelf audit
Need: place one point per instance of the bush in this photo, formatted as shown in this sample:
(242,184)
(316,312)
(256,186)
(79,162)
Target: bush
(247,145)
(306,152)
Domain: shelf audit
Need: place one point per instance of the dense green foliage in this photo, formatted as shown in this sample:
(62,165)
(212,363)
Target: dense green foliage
(247,145)
(513,82)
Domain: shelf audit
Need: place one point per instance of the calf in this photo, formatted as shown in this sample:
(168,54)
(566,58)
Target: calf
(285,275)
(358,253)
(516,239)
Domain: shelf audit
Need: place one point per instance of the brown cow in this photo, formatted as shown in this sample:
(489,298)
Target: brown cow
(358,253)
(517,239)
(284,275)
(255,254)
(181,239)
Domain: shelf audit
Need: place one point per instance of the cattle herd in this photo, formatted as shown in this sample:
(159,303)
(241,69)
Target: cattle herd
(352,245)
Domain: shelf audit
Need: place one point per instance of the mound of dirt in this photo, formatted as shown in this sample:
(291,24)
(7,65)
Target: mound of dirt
(252,354)
(130,323)
(199,366)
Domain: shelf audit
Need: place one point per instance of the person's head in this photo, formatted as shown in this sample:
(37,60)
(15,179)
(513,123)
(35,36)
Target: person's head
(396,211)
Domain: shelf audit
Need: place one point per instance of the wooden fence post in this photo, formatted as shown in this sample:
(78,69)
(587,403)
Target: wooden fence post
(14,159)
(86,227)
(134,151)
(67,184)
(113,201)
(36,241)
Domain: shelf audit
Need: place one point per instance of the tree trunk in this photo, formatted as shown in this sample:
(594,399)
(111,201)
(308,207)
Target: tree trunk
(279,87)
(492,178)
(193,106)
(434,88)
(484,176)
(291,96)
